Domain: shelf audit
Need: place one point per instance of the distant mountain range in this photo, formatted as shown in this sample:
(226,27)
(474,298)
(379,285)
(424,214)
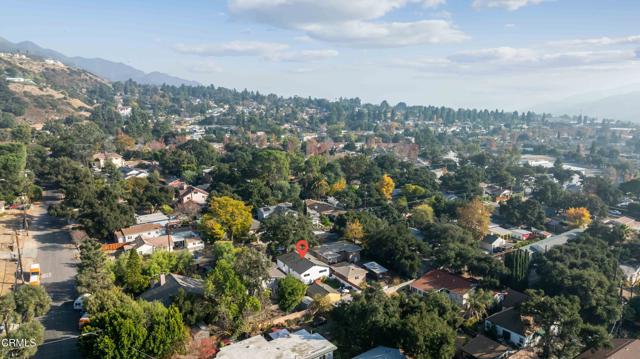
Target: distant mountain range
(112,71)
(618,104)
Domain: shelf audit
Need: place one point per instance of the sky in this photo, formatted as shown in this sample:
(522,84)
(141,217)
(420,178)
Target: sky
(507,54)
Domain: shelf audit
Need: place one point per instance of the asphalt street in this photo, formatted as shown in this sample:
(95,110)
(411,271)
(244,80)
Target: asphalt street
(58,260)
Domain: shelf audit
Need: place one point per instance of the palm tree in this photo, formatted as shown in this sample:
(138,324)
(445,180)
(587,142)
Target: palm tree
(478,303)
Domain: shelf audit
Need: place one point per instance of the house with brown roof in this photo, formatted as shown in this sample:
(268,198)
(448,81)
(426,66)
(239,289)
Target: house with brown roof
(457,288)
(620,349)
(482,347)
(350,274)
(146,246)
(145,230)
(193,194)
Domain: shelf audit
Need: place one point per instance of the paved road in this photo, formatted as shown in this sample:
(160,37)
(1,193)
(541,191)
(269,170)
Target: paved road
(57,258)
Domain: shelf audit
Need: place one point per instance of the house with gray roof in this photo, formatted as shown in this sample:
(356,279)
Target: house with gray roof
(169,286)
(302,268)
(340,251)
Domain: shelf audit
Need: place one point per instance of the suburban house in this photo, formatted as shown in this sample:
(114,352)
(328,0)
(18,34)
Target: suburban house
(301,268)
(264,212)
(100,159)
(553,241)
(350,274)
(626,221)
(491,242)
(454,286)
(128,173)
(193,244)
(315,209)
(155,218)
(323,290)
(274,275)
(511,326)
(146,246)
(340,251)
(496,230)
(381,352)
(482,347)
(631,273)
(297,345)
(511,298)
(376,270)
(496,193)
(620,349)
(147,230)
(520,234)
(193,194)
(169,285)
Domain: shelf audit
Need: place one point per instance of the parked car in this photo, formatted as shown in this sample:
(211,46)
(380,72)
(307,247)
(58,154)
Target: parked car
(78,304)
(84,320)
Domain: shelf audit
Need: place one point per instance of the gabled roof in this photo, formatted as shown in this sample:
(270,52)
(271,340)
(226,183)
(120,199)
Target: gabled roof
(140,228)
(621,349)
(513,298)
(173,283)
(438,279)
(381,352)
(320,289)
(510,319)
(349,270)
(482,347)
(330,250)
(296,263)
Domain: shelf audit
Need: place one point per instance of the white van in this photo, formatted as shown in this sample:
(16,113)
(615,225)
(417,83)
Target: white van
(78,304)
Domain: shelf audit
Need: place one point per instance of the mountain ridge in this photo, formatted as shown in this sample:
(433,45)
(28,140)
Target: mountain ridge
(110,70)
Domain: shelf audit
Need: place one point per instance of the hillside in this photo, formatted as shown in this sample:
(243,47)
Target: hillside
(35,90)
(112,71)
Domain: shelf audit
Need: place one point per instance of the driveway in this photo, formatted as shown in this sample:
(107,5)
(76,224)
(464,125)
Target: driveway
(58,259)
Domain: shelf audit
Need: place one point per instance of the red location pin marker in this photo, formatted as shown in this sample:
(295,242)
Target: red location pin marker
(302,247)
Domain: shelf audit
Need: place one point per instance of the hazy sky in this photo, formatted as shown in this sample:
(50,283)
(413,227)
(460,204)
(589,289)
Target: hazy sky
(508,54)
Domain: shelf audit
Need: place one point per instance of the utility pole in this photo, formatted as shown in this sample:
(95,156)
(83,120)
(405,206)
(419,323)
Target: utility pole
(20,269)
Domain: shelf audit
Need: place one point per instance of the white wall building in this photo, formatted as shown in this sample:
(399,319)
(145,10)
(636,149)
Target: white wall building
(301,268)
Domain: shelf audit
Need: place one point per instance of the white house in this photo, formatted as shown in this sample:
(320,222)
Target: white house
(146,230)
(284,207)
(491,242)
(156,217)
(194,194)
(194,244)
(146,246)
(302,268)
(297,345)
(512,327)
(100,159)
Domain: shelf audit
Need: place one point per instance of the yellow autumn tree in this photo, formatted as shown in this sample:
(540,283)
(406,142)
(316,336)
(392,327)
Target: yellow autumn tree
(422,215)
(578,216)
(386,186)
(475,217)
(354,231)
(339,186)
(232,215)
(211,229)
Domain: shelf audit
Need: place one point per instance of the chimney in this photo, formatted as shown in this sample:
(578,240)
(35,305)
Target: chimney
(162,279)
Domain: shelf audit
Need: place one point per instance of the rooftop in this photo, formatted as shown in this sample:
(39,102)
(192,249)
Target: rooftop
(334,249)
(296,263)
(173,283)
(553,241)
(151,218)
(510,319)
(482,347)
(621,349)
(140,228)
(375,267)
(298,345)
(438,279)
(381,352)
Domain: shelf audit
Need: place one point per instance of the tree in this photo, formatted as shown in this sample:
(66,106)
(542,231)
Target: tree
(421,215)
(138,330)
(396,248)
(252,267)
(134,281)
(233,215)
(225,290)
(282,230)
(93,274)
(354,231)
(386,186)
(475,217)
(31,333)
(478,304)
(211,229)
(31,301)
(564,335)
(7,310)
(578,217)
(529,213)
(290,293)
(517,262)
(426,336)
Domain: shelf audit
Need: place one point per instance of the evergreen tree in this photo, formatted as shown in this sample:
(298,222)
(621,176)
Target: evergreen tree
(93,274)
(134,280)
(518,264)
